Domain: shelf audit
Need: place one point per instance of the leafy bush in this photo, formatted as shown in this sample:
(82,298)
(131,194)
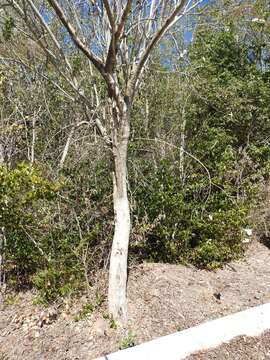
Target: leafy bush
(53,283)
(188,222)
(25,197)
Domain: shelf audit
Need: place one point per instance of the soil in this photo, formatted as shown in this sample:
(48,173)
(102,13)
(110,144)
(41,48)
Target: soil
(162,299)
(240,348)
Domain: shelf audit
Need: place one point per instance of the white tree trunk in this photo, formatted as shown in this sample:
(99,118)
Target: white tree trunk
(183,140)
(66,148)
(2,156)
(119,254)
(2,235)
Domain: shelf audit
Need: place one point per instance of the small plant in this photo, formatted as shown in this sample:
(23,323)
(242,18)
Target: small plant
(52,284)
(11,299)
(112,322)
(128,341)
(100,298)
(86,310)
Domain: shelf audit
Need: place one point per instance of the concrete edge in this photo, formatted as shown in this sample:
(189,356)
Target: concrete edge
(251,322)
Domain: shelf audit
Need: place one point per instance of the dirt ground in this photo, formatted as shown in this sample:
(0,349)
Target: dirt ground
(162,299)
(241,348)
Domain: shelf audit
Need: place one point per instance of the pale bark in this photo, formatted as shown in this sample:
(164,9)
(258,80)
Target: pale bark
(119,254)
(32,157)
(66,148)
(2,156)
(117,298)
(182,140)
(2,235)
(2,259)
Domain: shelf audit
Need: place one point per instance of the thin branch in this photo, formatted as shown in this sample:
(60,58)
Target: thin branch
(36,244)
(189,154)
(72,32)
(21,62)
(123,20)
(68,142)
(109,14)
(169,22)
(47,28)
(157,36)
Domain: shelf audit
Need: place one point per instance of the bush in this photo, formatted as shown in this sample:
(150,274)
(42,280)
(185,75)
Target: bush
(25,197)
(57,233)
(188,222)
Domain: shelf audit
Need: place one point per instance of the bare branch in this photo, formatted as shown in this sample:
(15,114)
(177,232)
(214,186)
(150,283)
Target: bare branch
(109,14)
(47,28)
(123,20)
(157,36)
(187,153)
(72,32)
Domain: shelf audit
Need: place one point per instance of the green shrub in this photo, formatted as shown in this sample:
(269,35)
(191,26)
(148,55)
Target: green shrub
(52,284)
(188,222)
(55,237)
(25,197)
(85,312)
(128,341)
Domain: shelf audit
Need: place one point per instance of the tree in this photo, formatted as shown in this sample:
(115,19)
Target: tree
(117,38)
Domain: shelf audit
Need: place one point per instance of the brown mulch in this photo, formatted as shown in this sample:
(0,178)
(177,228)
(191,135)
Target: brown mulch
(162,299)
(240,348)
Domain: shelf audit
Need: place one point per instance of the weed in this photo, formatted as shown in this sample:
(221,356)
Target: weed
(11,299)
(111,320)
(87,309)
(128,341)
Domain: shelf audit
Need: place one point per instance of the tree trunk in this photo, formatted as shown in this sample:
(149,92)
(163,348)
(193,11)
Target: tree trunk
(2,236)
(119,254)
(2,155)
(183,140)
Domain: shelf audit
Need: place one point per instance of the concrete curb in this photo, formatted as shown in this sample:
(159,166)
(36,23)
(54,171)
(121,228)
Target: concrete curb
(251,322)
